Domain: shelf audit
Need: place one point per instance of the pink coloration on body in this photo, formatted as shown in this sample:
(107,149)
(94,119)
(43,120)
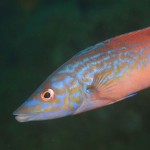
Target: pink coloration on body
(97,76)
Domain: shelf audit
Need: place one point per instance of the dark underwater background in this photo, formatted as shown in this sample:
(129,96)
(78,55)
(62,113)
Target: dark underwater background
(36,37)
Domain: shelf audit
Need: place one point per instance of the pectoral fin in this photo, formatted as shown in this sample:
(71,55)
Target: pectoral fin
(102,87)
(102,92)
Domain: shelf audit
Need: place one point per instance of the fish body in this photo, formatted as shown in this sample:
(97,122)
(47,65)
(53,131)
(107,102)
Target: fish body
(100,75)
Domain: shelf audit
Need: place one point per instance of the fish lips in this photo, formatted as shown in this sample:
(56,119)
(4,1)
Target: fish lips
(38,116)
(25,117)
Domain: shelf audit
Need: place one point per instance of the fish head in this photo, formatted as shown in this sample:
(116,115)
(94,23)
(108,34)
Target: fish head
(58,96)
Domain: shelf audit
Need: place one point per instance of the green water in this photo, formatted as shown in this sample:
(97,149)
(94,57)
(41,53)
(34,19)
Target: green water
(36,37)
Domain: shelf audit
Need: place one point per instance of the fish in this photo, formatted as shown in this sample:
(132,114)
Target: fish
(100,75)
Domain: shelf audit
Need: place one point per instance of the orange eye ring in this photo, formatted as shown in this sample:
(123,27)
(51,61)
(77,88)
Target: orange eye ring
(47,95)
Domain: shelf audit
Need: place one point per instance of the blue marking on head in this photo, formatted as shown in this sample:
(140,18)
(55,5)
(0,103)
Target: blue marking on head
(68,80)
(76,65)
(62,97)
(69,68)
(60,104)
(76,94)
(31,103)
(44,106)
(75,105)
(57,85)
(81,71)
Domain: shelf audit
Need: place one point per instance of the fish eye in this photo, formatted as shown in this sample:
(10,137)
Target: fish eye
(47,95)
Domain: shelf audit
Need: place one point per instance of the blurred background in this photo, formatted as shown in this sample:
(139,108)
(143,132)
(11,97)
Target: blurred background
(36,37)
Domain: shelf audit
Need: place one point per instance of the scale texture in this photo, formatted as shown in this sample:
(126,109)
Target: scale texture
(97,76)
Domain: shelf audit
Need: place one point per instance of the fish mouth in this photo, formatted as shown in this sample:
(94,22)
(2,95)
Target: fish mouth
(36,116)
(24,117)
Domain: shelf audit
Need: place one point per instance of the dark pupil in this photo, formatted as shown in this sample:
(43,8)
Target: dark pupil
(47,95)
